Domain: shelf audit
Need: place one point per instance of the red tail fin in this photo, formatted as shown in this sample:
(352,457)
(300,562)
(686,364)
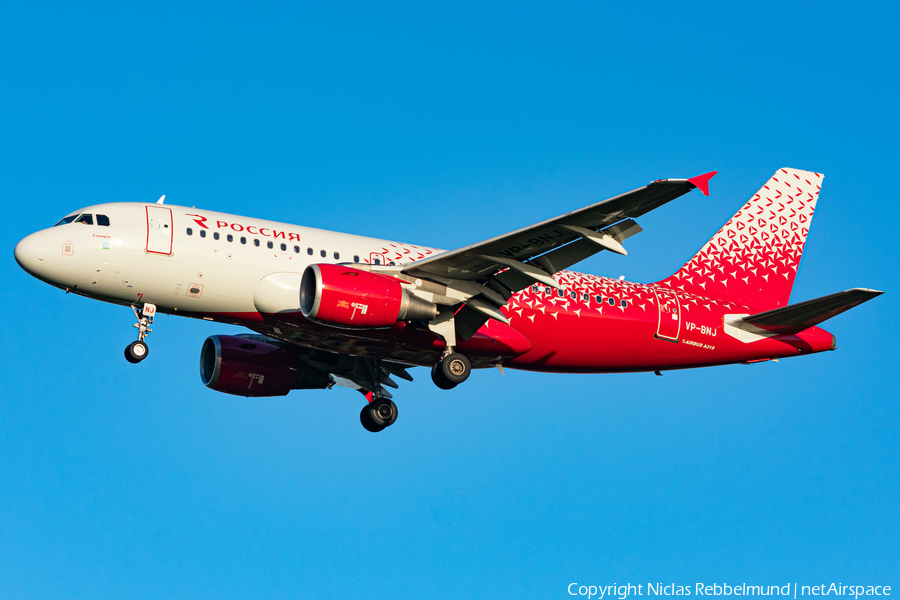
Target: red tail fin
(754,257)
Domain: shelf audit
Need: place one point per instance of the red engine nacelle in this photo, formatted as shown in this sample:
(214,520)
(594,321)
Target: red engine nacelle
(246,367)
(353,298)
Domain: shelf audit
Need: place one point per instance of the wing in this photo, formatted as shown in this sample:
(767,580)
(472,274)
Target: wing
(535,253)
(470,285)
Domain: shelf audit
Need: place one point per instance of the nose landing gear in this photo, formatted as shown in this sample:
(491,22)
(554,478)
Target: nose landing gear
(138,351)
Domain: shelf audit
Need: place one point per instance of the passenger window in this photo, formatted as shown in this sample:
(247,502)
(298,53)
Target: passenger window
(356,259)
(270,245)
(256,242)
(337,256)
(587,297)
(322,253)
(309,251)
(283,247)
(377,261)
(573,295)
(229,237)
(190,231)
(85,219)
(102,220)
(598,298)
(202,233)
(624,303)
(547,291)
(296,249)
(612,301)
(215,235)
(66,220)
(560,293)
(534,289)
(243,240)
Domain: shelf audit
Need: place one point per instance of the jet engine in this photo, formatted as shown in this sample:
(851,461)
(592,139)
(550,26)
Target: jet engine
(248,366)
(340,295)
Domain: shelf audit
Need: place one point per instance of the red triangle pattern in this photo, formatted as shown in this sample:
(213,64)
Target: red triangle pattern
(755,256)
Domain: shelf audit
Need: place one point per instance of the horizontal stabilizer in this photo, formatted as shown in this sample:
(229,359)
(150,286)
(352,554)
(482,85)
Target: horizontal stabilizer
(803,315)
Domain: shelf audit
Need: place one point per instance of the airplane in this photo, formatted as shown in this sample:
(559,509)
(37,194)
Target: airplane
(329,308)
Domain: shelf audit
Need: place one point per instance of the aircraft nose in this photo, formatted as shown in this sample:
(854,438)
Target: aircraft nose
(30,253)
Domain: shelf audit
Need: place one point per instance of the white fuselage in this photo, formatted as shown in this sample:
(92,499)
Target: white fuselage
(188,260)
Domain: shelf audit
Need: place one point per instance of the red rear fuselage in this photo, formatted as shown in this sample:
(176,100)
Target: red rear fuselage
(602,325)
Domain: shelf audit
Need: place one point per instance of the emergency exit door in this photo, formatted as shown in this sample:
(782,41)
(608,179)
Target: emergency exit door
(159,230)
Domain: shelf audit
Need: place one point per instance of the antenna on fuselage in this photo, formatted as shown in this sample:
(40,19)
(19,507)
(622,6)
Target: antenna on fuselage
(162,199)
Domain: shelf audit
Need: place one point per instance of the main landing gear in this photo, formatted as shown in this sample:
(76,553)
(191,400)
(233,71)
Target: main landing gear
(138,351)
(451,370)
(378,414)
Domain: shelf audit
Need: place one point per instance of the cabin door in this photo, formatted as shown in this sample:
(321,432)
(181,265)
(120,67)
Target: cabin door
(669,325)
(159,230)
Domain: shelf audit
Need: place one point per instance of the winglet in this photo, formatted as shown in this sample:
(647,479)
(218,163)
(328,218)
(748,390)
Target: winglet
(701,182)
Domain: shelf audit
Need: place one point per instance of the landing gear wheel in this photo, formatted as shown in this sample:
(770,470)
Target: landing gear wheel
(136,352)
(456,368)
(452,370)
(365,417)
(378,414)
(383,411)
(437,376)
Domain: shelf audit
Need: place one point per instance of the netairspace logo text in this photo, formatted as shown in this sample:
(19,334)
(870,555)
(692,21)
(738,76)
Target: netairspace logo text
(791,590)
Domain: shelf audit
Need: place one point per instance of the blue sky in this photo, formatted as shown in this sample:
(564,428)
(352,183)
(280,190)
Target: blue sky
(445,125)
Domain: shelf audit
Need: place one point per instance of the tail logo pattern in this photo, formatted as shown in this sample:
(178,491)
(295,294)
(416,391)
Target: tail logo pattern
(754,257)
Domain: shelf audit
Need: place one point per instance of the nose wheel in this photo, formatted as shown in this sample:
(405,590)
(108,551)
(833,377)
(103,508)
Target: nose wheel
(138,351)
(451,371)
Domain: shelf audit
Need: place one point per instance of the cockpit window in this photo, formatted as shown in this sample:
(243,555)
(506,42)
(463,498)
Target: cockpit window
(85,219)
(66,220)
(102,220)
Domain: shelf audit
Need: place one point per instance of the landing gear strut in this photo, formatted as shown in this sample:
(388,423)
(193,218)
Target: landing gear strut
(450,371)
(378,414)
(138,351)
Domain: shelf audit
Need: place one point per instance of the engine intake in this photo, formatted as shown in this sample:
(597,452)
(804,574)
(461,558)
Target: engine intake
(340,295)
(245,366)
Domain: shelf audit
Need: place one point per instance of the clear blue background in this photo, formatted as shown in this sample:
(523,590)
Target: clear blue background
(444,125)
